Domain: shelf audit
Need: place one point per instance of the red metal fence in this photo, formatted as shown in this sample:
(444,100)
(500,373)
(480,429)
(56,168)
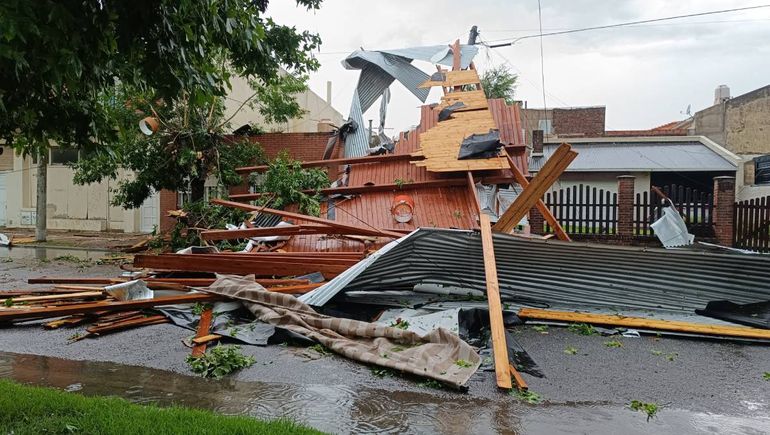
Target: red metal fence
(752,224)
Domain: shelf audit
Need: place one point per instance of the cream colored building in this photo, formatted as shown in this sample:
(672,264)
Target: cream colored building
(87,208)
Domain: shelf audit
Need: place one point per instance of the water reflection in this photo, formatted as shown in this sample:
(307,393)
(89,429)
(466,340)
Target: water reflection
(49,253)
(341,409)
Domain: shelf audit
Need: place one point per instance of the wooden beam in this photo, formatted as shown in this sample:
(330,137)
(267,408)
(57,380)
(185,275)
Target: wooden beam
(283,230)
(521,384)
(474,193)
(336,162)
(499,346)
(74,280)
(548,175)
(204,326)
(206,338)
(239,266)
(644,323)
(57,297)
(541,207)
(128,323)
(318,220)
(42,313)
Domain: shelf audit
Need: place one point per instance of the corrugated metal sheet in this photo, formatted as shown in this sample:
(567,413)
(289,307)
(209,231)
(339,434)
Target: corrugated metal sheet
(639,156)
(552,272)
(430,52)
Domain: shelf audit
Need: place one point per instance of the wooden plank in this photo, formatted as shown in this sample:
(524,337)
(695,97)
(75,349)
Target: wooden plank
(474,193)
(204,326)
(499,346)
(58,297)
(541,207)
(454,78)
(239,266)
(547,175)
(283,230)
(206,338)
(42,313)
(333,162)
(74,280)
(521,384)
(290,215)
(643,323)
(128,323)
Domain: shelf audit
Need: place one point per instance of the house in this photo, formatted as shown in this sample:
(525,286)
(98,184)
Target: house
(88,208)
(691,161)
(741,125)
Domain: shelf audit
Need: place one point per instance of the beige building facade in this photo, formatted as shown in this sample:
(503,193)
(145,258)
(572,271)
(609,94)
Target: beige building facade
(88,208)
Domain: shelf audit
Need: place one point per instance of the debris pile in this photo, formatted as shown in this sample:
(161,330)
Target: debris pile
(419,258)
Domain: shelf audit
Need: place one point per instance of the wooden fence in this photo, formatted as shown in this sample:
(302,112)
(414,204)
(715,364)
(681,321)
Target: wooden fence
(696,208)
(752,224)
(584,210)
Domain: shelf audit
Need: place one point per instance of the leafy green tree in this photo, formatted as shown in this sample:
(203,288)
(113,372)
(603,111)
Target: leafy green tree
(59,58)
(499,82)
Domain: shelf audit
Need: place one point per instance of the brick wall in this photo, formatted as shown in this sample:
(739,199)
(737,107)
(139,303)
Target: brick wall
(168,201)
(586,121)
(625,229)
(724,204)
(301,146)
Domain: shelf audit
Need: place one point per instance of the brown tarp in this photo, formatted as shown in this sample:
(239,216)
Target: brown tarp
(440,355)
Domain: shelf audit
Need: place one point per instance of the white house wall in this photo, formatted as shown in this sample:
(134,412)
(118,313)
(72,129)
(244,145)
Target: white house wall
(601,180)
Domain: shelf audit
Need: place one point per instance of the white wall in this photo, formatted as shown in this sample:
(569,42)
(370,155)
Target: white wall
(601,180)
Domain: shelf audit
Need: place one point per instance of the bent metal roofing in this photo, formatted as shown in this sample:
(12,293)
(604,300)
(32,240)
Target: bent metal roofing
(435,207)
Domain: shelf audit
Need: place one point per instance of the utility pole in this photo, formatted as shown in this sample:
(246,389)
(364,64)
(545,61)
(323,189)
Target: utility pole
(473,35)
(42,190)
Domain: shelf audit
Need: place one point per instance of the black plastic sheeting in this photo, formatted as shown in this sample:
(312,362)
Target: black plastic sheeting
(474,330)
(446,112)
(756,314)
(480,146)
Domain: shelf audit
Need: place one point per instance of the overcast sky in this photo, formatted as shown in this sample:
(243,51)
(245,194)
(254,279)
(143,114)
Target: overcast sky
(645,75)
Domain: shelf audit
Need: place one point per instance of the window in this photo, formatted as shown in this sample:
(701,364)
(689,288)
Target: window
(64,156)
(761,170)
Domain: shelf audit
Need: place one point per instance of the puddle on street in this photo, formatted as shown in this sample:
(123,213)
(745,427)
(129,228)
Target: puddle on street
(338,409)
(50,253)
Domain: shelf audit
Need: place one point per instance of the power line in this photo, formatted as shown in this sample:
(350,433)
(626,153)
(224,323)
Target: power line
(691,23)
(630,23)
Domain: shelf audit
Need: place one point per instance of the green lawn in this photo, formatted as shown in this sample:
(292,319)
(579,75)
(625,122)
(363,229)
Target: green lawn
(34,410)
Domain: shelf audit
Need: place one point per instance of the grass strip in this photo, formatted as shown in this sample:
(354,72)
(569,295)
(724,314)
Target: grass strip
(35,410)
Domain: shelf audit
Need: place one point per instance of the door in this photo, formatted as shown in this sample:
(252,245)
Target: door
(149,213)
(3,199)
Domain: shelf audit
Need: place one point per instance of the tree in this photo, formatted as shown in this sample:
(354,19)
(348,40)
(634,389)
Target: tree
(58,60)
(499,82)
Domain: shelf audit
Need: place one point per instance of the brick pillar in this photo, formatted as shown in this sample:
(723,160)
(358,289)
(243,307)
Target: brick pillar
(168,201)
(626,207)
(536,221)
(724,205)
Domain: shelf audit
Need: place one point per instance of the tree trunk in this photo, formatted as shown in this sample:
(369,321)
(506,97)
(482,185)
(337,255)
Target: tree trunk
(42,197)
(197,187)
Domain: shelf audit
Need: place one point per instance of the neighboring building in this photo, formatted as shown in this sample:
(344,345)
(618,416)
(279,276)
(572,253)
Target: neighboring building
(691,161)
(564,121)
(87,208)
(742,125)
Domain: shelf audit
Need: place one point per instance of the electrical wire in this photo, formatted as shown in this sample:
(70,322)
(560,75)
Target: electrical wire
(542,63)
(626,24)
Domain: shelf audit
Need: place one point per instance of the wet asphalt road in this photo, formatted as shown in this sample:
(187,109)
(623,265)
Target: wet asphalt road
(723,378)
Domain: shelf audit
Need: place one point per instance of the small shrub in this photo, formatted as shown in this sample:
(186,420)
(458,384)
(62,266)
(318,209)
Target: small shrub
(648,408)
(766,376)
(527,396)
(219,361)
(613,344)
(582,329)
(464,364)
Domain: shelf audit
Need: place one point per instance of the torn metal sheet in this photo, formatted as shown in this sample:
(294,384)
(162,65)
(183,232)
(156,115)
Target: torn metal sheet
(130,291)
(671,229)
(440,54)
(544,272)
